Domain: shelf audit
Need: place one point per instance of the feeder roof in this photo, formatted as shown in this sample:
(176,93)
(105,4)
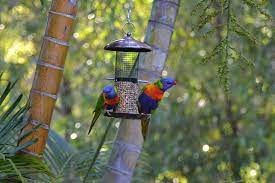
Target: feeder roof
(128,44)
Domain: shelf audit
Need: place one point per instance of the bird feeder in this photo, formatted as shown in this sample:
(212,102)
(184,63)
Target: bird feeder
(126,75)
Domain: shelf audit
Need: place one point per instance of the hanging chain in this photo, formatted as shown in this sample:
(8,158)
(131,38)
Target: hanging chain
(129,11)
(129,25)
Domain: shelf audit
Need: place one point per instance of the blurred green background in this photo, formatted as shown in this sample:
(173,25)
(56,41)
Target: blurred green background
(195,136)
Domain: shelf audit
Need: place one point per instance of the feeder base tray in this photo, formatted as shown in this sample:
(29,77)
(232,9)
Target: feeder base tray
(126,115)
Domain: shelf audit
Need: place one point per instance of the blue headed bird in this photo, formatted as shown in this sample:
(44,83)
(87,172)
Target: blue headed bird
(150,97)
(107,100)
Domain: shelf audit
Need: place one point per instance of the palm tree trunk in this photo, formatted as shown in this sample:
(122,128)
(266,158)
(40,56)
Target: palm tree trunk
(128,143)
(49,71)
(159,33)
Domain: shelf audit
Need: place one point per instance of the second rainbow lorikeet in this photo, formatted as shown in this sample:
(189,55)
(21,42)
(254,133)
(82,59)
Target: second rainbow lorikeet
(107,100)
(151,95)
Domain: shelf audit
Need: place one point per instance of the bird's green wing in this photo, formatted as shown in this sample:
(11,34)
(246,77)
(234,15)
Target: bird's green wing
(99,103)
(98,110)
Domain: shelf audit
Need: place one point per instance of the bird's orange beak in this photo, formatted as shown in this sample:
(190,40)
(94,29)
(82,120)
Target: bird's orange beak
(175,83)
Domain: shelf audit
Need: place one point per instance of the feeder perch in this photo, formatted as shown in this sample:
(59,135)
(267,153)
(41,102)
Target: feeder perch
(126,76)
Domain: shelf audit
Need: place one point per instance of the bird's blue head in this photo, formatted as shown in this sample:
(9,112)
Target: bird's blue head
(167,83)
(109,92)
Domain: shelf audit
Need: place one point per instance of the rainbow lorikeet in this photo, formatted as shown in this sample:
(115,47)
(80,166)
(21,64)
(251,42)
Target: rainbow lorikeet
(151,95)
(107,100)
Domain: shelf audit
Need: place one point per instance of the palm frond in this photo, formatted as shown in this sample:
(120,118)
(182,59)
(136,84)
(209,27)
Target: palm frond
(16,167)
(11,119)
(70,164)
(23,168)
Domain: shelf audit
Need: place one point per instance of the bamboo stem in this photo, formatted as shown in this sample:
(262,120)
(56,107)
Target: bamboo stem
(125,152)
(129,140)
(159,33)
(49,71)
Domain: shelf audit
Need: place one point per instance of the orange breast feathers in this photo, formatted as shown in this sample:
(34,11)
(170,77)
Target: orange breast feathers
(153,91)
(113,101)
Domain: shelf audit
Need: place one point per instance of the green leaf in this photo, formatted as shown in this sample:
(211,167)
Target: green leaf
(42,2)
(23,146)
(11,108)
(241,31)
(21,167)
(254,4)
(5,93)
(216,51)
(242,57)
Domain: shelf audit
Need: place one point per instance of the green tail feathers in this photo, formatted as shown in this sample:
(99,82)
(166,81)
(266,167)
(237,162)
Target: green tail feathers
(144,127)
(96,116)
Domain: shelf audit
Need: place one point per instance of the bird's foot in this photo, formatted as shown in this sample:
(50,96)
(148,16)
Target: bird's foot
(109,112)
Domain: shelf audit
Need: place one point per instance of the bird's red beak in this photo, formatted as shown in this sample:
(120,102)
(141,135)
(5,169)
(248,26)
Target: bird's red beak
(175,83)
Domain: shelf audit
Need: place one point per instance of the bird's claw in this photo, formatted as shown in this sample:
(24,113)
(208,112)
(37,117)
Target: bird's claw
(109,112)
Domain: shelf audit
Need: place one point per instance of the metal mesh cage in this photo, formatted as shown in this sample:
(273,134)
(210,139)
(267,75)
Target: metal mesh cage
(127,107)
(128,93)
(126,68)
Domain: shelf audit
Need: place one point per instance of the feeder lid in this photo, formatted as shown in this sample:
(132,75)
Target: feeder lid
(128,44)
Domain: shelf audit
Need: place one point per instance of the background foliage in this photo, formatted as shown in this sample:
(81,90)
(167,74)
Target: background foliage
(197,135)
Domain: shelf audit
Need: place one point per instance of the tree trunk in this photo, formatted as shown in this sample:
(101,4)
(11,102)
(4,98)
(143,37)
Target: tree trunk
(159,32)
(128,143)
(49,71)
